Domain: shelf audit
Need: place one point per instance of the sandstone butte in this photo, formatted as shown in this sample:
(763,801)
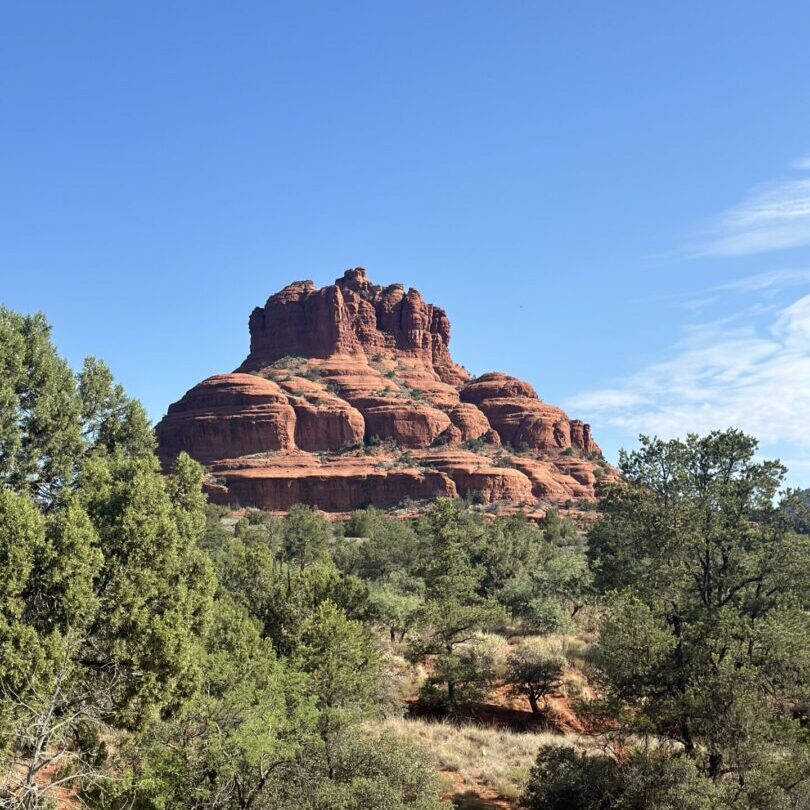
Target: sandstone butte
(349,397)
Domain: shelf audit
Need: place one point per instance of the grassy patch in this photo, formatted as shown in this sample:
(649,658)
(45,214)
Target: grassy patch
(480,758)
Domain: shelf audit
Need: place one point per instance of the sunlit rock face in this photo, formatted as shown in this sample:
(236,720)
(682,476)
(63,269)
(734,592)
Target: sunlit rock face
(349,397)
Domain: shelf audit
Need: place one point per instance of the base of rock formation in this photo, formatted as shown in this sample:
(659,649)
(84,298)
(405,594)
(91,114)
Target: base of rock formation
(349,398)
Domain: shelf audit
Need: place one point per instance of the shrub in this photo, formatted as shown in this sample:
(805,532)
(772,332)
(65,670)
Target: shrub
(534,670)
(381,772)
(547,615)
(563,779)
(475,445)
(464,675)
(289,361)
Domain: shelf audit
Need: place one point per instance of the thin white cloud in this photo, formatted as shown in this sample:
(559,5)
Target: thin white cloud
(767,285)
(772,216)
(771,280)
(717,378)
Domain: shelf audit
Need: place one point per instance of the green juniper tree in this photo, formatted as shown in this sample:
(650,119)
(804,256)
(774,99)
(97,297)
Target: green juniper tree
(454,611)
(339,656)
(103,590)
(534,670)
(239,742)
(706,634)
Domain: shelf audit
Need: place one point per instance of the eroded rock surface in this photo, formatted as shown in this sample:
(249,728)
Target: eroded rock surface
(228,416)
(349,397)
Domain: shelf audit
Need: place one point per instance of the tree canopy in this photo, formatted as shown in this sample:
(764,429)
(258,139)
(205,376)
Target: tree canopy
(705,638)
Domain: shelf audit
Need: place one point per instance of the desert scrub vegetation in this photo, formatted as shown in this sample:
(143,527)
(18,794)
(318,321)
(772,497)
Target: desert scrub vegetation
(258,664)
(288,362)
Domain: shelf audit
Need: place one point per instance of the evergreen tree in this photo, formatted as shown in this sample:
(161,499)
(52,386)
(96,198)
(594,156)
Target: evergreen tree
(103,590)
(706,637)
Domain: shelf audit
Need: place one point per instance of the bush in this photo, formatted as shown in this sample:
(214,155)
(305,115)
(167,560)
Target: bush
(547,615)
(534,670)
(466,674)
(384,773)
(475,445)
(563,779)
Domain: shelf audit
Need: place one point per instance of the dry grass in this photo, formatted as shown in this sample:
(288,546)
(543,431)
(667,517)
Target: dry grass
(487,766)
(478,757)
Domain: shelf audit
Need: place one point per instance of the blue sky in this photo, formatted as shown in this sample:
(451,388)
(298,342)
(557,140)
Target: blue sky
(611,200)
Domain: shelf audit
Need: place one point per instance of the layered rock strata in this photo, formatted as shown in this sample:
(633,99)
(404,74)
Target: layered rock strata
(349,397)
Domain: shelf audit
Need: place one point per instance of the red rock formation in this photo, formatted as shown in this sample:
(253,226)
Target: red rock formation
(410,424)
(551,481)
(323,421)
(338,485)
(331,370)
(496,385)
(471,423)
(351,316)
(475,474)
(521,419)
(228,416)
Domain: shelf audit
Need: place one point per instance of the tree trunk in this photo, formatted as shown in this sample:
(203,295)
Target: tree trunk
(533,703)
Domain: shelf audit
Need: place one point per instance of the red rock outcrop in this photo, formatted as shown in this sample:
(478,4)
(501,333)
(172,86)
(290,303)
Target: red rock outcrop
(553,482)
(354,317)
(472,424)
(410,424)
(228,416)
(338,485)
(522,419)
(496,385)
(349,397)
(323,421)
(474,474)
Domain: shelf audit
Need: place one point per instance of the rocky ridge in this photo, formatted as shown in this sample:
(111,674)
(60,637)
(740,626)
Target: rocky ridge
(349,397)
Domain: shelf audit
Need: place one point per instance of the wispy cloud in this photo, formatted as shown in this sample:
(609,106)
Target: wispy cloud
(772,216)
(768,286)
(771,280)
(719,377)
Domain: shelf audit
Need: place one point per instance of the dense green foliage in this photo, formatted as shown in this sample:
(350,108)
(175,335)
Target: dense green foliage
(103,589)
(157,653)
(534,669)
(705,638)
(150,658)
(563,779)
(452,573)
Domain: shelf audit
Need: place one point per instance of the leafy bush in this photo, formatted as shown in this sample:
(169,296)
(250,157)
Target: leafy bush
(534,670)
(475,445)
(563,779)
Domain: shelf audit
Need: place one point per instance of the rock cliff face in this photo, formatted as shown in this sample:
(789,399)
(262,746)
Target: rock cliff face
(349,397)
(351,317)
